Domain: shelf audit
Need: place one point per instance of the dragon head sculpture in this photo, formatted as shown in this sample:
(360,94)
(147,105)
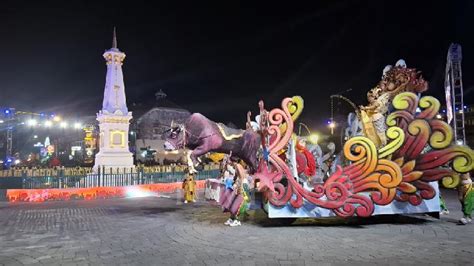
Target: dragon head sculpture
(396,80)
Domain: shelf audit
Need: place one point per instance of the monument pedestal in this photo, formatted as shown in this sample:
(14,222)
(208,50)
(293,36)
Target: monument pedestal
(115,161)
(114,152)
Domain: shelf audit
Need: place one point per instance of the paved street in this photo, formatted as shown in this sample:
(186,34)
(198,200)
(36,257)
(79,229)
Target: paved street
(161,231)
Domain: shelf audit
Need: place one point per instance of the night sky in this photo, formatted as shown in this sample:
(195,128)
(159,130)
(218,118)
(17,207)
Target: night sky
(220,58)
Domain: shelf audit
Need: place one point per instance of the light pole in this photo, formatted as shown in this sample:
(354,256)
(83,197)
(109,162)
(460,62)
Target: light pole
(338,95)
(9,114)
(332,125)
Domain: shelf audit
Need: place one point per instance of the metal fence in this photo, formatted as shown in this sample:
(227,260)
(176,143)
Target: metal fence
(81,171)
(101,179)
(32,172)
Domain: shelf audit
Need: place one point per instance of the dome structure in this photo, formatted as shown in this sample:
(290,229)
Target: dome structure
(152,122)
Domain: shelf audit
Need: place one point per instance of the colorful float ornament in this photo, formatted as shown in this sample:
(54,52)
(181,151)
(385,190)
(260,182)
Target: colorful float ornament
(419,150)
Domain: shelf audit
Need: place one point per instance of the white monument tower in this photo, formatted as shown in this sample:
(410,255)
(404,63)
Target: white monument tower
(114,118)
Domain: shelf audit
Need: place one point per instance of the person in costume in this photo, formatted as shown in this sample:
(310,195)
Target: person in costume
(373,117)
(306,163)
(237,203)
(466,197)
(227,192)
(229,175)
(245,192)
(442,205)
(189,187)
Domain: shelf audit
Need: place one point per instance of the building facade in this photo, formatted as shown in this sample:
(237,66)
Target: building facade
(150,126)
(469,124)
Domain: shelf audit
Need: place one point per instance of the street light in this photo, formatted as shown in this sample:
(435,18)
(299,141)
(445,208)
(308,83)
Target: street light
(332,125)
(63,125)
(56,118)
(313,138)
(32,122)
(48,123)
(77,125)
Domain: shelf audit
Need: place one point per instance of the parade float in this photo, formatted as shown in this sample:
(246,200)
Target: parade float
(393,166)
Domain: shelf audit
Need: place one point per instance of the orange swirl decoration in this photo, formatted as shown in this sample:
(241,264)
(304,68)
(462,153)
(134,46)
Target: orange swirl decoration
(430,107)
(380,177)
(337,193)
(397,136)
(419,131)
(427,150)
(418,152)
(406,101)
(362,151)
(442,135)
